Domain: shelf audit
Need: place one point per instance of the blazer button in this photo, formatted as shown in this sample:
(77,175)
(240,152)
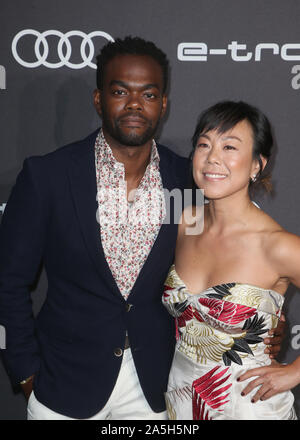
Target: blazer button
(118,352)
(128,307)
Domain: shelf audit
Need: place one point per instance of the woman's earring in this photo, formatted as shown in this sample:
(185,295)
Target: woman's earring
(253,178)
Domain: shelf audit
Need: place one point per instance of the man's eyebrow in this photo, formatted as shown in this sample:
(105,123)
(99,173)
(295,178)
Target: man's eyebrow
(126,85)
(118,83)
(151,86)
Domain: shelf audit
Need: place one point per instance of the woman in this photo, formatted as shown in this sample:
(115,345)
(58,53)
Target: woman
(226,287)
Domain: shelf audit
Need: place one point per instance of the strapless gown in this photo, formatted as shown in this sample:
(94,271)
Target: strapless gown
(219,336)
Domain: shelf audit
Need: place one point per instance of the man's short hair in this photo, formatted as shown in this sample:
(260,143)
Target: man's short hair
(131,46)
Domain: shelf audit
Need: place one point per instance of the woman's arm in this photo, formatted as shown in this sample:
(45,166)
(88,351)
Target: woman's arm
(273,379)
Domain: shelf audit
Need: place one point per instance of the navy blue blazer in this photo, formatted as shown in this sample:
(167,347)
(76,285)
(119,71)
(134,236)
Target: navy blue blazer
(50,218)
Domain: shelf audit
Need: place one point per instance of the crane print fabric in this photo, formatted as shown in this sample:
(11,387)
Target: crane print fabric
(219,336)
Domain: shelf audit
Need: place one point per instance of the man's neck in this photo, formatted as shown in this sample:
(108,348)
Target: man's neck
(134,159)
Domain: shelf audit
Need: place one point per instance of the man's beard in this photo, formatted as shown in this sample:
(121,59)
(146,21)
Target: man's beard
(132,139)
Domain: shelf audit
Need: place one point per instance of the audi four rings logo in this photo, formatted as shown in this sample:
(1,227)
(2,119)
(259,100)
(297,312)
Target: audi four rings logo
(41,48)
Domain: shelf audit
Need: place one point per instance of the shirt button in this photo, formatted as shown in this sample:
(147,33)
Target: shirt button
(118,352)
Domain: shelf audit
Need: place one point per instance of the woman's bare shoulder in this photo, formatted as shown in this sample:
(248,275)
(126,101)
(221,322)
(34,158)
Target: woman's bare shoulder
(282,242)
(276,240)
(282,247)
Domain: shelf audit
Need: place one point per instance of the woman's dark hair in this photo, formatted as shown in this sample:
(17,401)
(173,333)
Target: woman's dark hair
(225,115)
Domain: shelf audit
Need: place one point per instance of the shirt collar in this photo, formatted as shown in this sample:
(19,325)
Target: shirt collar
(105,154)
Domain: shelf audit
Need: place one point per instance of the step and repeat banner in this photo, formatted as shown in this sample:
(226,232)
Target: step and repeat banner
(239,50)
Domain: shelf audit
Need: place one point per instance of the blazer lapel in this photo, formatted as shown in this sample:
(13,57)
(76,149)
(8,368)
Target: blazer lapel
(82,176)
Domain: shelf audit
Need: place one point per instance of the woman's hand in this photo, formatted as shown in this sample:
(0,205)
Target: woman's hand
(272,380)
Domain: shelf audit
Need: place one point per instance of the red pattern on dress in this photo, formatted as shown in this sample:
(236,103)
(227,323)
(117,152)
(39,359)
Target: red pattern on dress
(208,394)
(228,312)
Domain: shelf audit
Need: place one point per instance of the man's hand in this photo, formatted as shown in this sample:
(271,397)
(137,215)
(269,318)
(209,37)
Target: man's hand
(27,388)
(275,338)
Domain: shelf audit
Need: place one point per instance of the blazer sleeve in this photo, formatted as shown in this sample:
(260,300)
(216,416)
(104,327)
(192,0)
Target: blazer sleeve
(21,250)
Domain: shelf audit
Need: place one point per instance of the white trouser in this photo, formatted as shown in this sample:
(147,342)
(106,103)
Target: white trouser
(127,401)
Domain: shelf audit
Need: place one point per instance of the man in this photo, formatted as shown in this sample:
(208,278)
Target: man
(102,345)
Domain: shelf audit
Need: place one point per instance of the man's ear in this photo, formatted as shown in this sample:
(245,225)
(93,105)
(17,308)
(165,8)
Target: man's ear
(97,101)
(164,106)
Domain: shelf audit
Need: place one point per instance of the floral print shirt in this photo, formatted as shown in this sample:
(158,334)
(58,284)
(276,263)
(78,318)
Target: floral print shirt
(128,229)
